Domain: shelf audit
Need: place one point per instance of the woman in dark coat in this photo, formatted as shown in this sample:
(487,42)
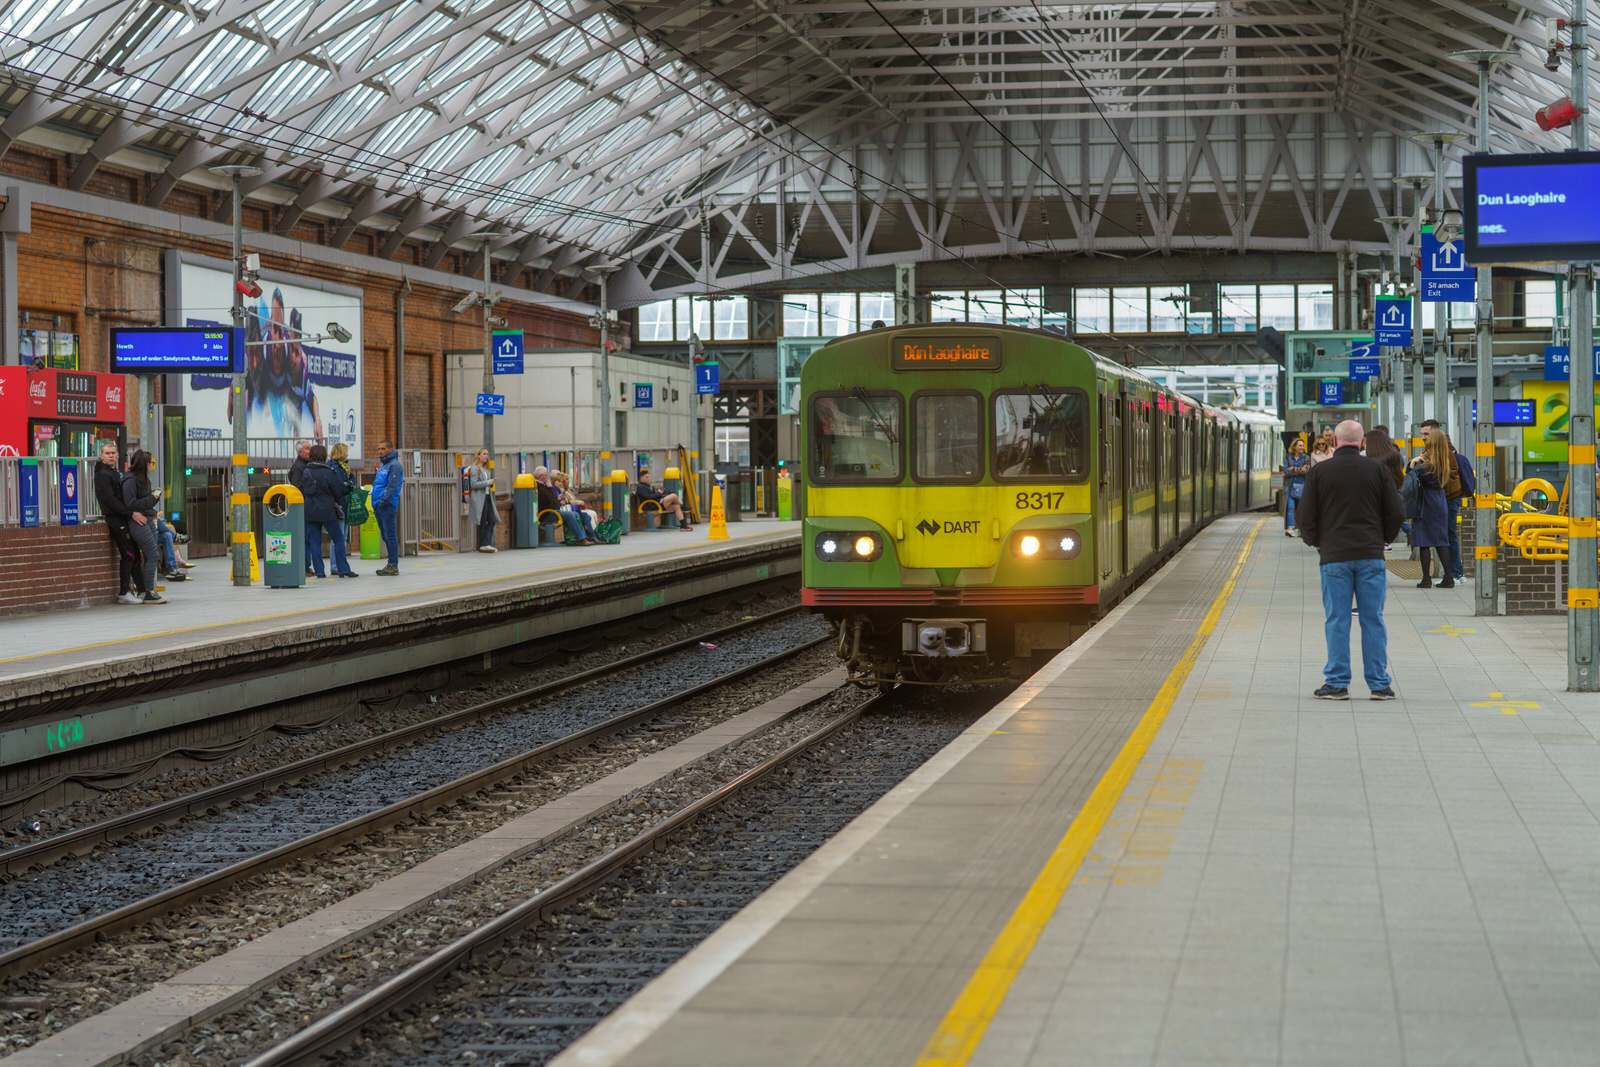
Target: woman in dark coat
(325,489)
(1431,528)
(140,497)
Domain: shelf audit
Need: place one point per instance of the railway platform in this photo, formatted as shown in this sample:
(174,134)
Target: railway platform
(1161,850)
(72,680)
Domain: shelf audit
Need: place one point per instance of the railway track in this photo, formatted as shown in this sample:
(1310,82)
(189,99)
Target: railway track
(70,904)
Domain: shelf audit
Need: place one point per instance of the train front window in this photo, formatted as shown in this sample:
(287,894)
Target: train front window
(1041,433)
(947,437)
(855,437)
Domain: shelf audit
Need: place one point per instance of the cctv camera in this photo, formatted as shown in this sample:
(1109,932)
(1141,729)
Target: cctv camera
(338,333)
(464,303)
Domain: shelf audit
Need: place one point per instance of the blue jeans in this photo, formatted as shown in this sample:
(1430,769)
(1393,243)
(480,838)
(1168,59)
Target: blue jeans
(1455,537)
(169,558)
(388,518)
(314,546)
(1288,513)
(1365,581)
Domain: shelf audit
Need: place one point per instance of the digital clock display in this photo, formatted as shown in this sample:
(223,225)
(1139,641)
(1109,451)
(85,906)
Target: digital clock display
(933,352)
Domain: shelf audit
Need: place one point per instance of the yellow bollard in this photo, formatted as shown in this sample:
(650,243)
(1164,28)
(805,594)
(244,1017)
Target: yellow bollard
(719,518)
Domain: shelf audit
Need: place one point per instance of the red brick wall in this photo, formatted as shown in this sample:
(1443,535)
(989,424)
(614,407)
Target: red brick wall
(98,271)
(48,568)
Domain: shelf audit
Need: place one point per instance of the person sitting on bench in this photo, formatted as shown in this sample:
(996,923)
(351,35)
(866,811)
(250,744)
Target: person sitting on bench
(668,502)
(550,505)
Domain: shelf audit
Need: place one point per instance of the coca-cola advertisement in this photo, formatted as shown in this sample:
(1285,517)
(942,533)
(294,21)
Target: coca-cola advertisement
(41,409)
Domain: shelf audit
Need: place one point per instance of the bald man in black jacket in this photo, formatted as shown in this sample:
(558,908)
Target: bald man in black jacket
(1348,511)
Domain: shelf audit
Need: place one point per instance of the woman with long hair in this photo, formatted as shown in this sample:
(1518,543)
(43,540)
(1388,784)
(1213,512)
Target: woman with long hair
(1321,450)
(1295,467)
(141,498)
(1431,528)
(481,511)
(1381,447)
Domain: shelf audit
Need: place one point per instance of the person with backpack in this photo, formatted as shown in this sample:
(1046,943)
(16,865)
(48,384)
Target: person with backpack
(325,492)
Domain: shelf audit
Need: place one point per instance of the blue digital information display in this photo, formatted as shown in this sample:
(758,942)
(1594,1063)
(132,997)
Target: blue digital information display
(1509,412)
(1531,208)
(171,350)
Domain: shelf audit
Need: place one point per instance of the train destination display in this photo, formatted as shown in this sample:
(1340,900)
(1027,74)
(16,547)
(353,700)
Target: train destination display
(1531,208)
(171,350)
(945,353)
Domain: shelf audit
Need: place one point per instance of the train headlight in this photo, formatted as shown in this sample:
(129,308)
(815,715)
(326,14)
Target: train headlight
(857,546)
(1048,544)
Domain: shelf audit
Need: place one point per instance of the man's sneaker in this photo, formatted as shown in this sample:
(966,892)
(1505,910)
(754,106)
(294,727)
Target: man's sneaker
(488,548)
(1332,692)
(154,598)
(1383,694)
(130,598)
(388,571)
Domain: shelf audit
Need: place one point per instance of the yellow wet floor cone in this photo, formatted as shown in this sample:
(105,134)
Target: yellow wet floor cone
(255,562)
(719,518)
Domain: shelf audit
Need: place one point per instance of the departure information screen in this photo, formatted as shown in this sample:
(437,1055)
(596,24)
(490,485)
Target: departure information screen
(932,352)
(171,350)
(1531,208)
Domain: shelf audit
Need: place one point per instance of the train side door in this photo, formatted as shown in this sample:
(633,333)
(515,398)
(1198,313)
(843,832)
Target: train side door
(1124,479)
(1105,528)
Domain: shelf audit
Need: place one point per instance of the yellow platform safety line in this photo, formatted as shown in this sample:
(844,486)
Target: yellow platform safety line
(969,1017)
(1583,598)
(1483,448)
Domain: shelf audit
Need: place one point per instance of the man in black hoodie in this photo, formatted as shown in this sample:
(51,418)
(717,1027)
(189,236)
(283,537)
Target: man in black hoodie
(1348,511)
(108,492)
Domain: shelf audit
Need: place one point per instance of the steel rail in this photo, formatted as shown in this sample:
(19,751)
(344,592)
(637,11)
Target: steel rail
(84,840)
(336,1028)
(25,957)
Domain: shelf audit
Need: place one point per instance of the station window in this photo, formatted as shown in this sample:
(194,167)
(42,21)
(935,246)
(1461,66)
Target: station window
(800,315)
(1091,311)
(838,314)
(1130,309)
(731,319)
(1539,303)
(1025,307)
(1040,434)
(655,321)
(877,307)
(855,437)
(1277,307)
(947,307)
(947,437)
(986,305)
(1236,308)
(1315,310)
(1169,308)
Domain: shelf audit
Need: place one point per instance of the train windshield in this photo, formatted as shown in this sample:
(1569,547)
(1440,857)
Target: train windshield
(856,437)
(1040,433)
(947,442)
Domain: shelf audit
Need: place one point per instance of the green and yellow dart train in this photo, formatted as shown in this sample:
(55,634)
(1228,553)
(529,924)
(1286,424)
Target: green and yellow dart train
(976,494)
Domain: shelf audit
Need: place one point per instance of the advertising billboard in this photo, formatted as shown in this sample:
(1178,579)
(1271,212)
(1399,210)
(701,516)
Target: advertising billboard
(1546,440)
(293,387)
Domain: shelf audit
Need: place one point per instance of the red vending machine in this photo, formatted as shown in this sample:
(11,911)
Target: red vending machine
(61,412)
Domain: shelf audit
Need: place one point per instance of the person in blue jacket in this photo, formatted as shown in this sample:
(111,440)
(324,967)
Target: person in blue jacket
(325,489)
(386,503)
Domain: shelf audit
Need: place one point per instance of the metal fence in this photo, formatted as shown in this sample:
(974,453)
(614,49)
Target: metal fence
(45,502)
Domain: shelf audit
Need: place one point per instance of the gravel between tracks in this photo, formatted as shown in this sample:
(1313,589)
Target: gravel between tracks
(77,986)
(569,654)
